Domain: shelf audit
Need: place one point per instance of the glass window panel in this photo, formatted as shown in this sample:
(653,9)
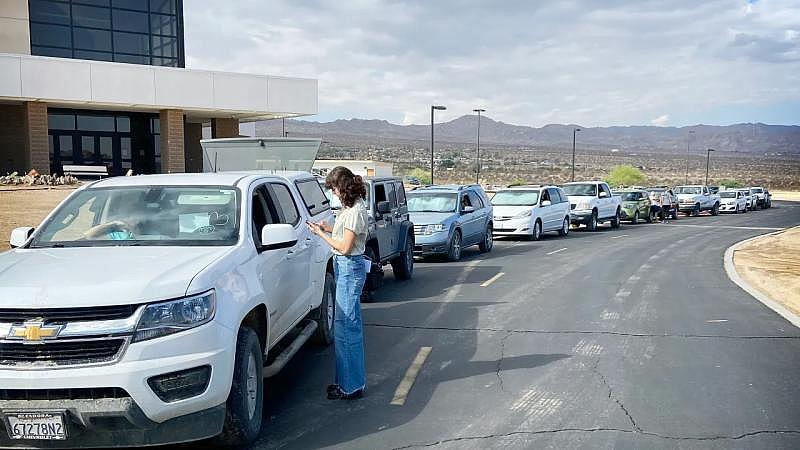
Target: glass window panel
(51,12)
(53,35)
(132,59)
(51,51)
(137,44)
(130,21)
(96,123)
(123,124)
(165,62)
(89,16)
(87,149)
(61,121)
(165,46)
(98,40)
(51,146)
(106,148)
(161,24)
(139,5)
(65,149)
(92,2)
(163,6)
(155,126)
(95,56)
(125,147)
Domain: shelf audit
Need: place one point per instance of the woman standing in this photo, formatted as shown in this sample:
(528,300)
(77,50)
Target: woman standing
(348,240)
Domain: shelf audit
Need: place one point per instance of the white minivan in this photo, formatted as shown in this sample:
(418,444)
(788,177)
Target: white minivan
(529,211)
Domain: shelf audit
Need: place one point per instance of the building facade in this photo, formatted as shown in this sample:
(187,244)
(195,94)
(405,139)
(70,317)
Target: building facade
(103,82)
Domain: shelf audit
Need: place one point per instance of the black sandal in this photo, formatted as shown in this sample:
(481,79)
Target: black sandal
(339,395)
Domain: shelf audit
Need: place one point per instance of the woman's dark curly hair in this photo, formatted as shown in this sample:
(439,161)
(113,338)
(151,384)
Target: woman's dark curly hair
(350,187)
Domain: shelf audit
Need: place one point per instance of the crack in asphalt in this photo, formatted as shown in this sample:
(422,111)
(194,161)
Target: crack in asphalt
(599,429)
(611,395)
(580,332)
(500,360)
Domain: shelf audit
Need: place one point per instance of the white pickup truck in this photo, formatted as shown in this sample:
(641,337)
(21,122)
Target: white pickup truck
(149,310)
(591,203)
(694,199)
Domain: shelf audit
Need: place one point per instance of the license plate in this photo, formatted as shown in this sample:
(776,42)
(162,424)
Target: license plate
(36,426)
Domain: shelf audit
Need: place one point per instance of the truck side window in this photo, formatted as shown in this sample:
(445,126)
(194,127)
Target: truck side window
(401,194)
(391,197)
(261,213)
(380,193)
(315,200)
(284,203)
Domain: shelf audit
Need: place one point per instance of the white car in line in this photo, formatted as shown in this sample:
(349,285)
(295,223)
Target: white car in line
(732,201)
(530,211)
(750,199)
(155,305)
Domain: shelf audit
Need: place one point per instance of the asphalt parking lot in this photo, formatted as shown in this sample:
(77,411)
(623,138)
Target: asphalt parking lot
(627,338)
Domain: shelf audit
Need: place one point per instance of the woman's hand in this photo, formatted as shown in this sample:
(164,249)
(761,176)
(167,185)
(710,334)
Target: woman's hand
(316,228)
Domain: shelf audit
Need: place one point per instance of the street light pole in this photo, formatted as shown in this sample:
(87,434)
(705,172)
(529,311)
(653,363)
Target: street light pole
(574,131)
(708,160)
(688,137)
(434,108)
(478,159)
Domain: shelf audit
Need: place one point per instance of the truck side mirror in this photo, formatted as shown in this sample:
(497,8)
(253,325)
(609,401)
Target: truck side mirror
(603,194)
(19,236)
(384,207)
(278,236)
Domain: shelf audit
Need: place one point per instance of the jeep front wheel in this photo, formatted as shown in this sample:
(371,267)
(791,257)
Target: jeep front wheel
(403,265)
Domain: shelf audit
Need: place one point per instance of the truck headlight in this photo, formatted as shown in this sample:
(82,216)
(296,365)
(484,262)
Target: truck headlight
(164,318)
(526,213)
(435,228)
(582,205)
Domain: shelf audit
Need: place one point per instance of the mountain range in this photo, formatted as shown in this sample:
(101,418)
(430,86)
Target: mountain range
(753,138)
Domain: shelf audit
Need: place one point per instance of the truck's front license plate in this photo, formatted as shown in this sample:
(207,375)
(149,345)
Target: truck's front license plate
(36,425)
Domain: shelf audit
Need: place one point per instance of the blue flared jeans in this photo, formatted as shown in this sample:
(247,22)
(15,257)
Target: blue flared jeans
(350,273)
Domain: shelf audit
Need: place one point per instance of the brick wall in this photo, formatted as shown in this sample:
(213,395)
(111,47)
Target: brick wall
(36,136)
(13,149)
(224,128)
(173,159)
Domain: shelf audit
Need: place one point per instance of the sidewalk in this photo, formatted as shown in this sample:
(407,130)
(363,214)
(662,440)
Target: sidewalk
(770,265)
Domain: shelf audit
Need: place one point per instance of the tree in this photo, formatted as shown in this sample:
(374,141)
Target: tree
(730,184)
(424,176)
(624,175)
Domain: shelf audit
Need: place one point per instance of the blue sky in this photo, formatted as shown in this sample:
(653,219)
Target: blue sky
(596,63)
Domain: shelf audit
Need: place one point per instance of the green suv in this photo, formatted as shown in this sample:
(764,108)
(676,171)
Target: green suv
(635,206)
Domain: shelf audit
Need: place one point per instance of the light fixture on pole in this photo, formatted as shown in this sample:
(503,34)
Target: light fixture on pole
(574,131)
(708,160)
(434,108)
(688,137)
(478,158)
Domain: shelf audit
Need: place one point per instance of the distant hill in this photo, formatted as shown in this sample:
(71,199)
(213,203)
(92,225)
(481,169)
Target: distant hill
(751,138)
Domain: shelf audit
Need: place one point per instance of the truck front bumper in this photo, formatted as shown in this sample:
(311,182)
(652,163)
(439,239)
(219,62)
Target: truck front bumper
(580,216)
(134,414)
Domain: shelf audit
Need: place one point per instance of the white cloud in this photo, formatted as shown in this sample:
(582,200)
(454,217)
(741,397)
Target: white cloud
(661,120)
(592,63)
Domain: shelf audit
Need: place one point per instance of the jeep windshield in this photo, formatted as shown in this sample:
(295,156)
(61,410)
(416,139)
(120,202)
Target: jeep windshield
(588,189)
(516,198)
(693,190)
(728,194)
(144,216)
(437,202)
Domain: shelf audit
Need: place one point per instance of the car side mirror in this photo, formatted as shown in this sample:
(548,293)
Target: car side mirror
(278,236)
(384,207)
(603,194)
(546,203)
(19,236)
(468,209)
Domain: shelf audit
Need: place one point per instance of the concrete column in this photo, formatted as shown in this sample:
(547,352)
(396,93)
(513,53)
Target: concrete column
(194,152)
(224,128)
(173,159)
(36,137)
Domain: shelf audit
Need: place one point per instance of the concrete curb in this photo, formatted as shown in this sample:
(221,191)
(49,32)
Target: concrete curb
(730,269)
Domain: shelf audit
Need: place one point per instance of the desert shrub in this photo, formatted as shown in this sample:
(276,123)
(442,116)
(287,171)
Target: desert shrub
(624,175)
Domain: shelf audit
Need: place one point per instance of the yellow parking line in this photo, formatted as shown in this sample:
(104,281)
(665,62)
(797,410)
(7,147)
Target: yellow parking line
(404,387)
(493,279)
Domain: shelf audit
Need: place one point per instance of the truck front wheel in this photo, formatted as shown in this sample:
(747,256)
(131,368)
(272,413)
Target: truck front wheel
(246,400)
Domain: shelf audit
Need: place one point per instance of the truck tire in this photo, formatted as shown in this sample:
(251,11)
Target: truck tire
(537,230)
(245,404)
(403,265)
(696,210)
(615,220)
(488,241)
(374,277)
(325,312)
(454,252)
(715,210)
(592,224)
(564,227)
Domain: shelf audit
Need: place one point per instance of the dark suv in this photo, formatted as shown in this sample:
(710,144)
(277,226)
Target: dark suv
(391,233)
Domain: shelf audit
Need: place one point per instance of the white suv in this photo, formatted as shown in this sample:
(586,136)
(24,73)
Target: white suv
(153,305)
(530,211)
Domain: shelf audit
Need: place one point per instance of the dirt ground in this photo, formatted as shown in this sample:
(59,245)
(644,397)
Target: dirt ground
(791,196)
(21,207)
(771,265)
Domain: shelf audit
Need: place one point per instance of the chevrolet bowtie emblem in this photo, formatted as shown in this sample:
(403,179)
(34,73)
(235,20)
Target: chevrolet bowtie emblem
(34,331)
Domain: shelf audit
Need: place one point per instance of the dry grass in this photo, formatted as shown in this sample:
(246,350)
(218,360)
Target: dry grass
(790,196)
(770,264)
(26,207)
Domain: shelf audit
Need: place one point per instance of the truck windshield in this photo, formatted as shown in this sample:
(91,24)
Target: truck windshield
(587,189)
(516,198)
(693,190)
(728,194)
(432,202)
(144,215)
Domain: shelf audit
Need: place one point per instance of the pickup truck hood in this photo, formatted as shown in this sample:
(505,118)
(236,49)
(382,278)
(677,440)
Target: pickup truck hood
(429,218)
(688,196)
(99,276)
(510,211)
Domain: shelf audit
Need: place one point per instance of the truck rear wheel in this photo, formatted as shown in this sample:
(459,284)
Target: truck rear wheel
(715,209)
(325,313)
(243,410)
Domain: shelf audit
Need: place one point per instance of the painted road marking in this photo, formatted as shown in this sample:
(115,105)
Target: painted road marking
(717,321)
(620,236)
(727,226)
(493,279)
(556,251)
(401,393)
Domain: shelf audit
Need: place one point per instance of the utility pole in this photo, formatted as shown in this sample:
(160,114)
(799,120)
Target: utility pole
(434,108)
(688,137)
(574,131)
(478,159)
(708,160)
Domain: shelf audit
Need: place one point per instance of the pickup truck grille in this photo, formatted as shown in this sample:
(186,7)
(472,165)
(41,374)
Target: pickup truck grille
(63,315)
(65,352)
(419,229)
(62,394)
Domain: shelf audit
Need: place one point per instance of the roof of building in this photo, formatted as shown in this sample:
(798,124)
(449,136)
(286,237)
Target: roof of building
(195,179)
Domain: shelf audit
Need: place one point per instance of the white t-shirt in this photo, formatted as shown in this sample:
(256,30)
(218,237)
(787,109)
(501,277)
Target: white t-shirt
(666,199)
(356,220)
